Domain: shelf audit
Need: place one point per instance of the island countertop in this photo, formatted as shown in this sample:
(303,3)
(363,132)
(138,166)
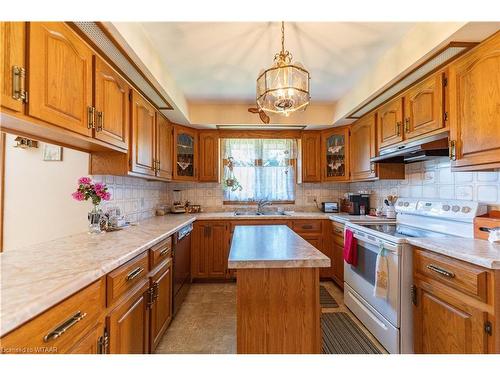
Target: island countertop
(272,246)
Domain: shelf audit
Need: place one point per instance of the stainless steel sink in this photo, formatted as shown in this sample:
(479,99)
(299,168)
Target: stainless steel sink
(255,213)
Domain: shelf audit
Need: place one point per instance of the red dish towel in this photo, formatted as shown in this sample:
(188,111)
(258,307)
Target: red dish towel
(350,248)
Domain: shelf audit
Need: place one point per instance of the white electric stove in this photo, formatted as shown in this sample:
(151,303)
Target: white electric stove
(390,319)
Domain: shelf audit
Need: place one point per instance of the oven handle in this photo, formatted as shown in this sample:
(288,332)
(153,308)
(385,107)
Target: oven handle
(372,315)
(387,246)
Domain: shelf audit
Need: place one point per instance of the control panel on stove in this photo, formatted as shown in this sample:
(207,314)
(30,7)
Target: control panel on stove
(450,209)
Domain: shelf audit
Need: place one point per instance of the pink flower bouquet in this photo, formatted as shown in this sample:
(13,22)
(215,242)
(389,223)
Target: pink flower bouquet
(88,190)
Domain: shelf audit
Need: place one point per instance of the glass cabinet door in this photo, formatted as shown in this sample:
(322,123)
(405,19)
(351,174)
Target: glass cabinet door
(185,155)
(336,155)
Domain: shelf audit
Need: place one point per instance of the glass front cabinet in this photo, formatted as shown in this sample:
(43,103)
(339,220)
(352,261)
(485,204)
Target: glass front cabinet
(335,154)
(185,152)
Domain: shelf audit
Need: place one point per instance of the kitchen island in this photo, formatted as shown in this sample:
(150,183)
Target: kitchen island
(278,308)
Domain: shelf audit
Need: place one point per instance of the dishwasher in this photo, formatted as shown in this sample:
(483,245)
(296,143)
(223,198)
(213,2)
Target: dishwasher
(181,258)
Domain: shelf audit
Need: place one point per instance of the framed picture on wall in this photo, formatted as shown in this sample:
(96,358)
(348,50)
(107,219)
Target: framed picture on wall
(52,153)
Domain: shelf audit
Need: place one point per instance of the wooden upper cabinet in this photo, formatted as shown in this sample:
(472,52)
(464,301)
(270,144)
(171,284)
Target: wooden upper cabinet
(424,107)
(12,50)
(390,123)
(164,147)
(59,76)
(185,153)
(111,104)
(311,156)
(209,156)
(363,141)
(143,136)
(335,154)
(474,89)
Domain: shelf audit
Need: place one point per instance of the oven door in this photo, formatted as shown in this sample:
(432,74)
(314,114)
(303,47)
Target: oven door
(362,277)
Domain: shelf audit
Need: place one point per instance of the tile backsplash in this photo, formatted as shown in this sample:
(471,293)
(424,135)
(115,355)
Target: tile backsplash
(428,179)
(136,198)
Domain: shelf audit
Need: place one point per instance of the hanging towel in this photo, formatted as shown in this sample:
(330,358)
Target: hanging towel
(350,248)
(381,274)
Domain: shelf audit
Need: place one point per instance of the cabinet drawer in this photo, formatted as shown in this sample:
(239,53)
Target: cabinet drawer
(456,274)
(306,226)
(338,230)
(62,326)
(125,277)
(160,252)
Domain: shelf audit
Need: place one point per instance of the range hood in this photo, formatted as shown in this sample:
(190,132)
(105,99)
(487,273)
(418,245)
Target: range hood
(419,150)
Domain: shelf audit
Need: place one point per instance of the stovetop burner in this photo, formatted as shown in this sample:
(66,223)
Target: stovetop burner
(403,231)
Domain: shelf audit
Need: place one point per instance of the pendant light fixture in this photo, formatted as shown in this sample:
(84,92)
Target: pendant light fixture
(283,88)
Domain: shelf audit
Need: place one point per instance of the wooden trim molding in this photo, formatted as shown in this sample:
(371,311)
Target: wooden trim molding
(2,184)
(253,134)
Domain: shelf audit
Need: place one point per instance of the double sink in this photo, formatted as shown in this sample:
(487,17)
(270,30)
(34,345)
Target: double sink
(259,213)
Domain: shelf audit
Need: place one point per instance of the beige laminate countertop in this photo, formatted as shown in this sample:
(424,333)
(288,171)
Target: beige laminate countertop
(38,277)
(272,246)
(478,252)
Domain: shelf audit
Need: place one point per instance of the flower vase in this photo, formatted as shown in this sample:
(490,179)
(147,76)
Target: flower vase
(94,217)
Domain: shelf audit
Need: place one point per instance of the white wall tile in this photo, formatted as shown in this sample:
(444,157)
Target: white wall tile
(487,193)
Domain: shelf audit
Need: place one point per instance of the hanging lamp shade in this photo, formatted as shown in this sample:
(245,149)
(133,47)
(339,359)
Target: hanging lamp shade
(283,88)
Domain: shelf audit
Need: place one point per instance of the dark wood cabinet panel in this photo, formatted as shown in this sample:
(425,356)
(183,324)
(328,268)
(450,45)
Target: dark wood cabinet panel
(111,98)
(164,147)
(208,156)
(311,156)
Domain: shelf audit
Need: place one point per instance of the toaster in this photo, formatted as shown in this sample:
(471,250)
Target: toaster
(330,207)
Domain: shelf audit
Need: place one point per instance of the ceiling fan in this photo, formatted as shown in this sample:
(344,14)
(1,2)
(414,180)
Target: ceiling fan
(263,116)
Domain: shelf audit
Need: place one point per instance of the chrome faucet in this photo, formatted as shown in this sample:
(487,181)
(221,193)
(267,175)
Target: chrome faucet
(262,203)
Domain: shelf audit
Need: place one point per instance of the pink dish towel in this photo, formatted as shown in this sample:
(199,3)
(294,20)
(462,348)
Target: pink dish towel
(350,248)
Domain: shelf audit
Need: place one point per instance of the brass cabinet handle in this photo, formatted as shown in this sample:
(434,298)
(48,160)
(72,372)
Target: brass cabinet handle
(398,125)
(155,290)
(407,125)
(100,121)
(338,231)
(164,251)
(132,275)
(18,89)
(452,150)
(90,117)
(441,271)
(372,167)
(62,328)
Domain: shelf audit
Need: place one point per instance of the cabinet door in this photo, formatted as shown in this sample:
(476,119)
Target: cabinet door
(474,88)
(112,105)
(218,250)
(390,123)
(335,151)
(128,324)
(143,135)
(445,326)
(338,264)
(161,310)
(90,343)
(363,142)
(59,76)
(186,149)
(209,156)
(164,150)
(424,107)
(199,263)
(311,156)
(13,43)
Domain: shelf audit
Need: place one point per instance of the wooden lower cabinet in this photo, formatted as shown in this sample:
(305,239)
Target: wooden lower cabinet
(161,305)
(210,250)
(128,322)
(92,343)
(338,254)
(454,305)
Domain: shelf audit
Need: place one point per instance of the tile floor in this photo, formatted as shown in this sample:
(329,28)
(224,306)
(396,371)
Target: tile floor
(206,321)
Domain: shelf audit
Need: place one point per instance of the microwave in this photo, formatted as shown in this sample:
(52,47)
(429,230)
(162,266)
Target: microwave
(330,207)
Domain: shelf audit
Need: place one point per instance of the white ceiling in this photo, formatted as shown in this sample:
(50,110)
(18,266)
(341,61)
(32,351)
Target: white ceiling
(220,61)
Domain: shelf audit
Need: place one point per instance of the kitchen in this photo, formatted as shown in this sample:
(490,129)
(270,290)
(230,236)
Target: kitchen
(233,198)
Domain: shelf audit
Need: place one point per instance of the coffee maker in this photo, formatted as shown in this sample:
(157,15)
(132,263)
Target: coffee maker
(359,204)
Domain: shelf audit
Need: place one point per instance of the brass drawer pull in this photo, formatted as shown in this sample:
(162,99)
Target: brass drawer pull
(58,331)
(164,251)
(441,271)
(338,231)
(132,275)
(100,121)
